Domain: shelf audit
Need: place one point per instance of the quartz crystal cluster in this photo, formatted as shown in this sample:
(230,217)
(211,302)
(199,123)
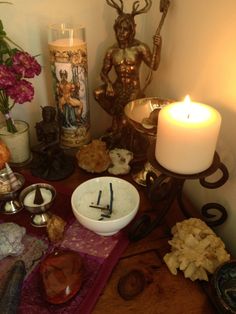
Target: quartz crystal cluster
(11,236)
(195,250)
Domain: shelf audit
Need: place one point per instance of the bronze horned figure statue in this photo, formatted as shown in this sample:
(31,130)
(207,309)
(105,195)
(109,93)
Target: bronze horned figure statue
(126,57)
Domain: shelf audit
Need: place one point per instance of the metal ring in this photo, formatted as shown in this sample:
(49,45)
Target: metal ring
(206,214)
(218,183)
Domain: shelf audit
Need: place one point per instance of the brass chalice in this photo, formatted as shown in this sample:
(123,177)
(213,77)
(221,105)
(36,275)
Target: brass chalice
(37,199)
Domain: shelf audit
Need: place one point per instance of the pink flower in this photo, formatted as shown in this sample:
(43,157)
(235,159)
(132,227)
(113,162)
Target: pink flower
(15,67)
(21,92)
(7,78)
(25,65)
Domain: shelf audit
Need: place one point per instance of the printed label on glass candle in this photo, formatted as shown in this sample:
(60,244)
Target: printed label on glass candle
(69,69)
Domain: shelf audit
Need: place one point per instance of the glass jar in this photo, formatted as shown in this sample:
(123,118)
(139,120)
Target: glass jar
(68,59)
(18,143)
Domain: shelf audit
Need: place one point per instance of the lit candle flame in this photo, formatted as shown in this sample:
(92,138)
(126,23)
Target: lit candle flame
(187,102)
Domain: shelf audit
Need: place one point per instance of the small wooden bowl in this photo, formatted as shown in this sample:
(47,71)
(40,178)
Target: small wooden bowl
(224,287)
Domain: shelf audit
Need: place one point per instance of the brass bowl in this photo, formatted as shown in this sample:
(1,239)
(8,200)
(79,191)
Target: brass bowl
(142,113)
(40,212)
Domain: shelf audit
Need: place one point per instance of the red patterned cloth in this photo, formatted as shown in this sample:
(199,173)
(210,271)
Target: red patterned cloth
(100,255)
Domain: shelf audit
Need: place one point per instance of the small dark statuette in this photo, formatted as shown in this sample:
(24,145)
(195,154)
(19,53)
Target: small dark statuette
(126,57)
(49,160)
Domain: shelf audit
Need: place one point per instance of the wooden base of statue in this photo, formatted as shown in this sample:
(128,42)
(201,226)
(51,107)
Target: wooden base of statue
(123,135)
(53,165)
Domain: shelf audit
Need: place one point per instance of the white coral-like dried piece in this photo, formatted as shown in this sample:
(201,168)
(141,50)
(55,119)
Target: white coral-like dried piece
(195,250)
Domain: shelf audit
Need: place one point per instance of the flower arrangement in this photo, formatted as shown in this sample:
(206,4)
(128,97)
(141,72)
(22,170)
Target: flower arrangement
(16,66)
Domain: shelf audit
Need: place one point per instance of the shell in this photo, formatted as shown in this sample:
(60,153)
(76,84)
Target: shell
(14,182)
(120,161)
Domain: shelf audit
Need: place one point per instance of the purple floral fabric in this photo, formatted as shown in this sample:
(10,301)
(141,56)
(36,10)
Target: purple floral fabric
(99,253)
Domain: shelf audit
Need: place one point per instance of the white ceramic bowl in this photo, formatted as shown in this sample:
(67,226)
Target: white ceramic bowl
(124,206)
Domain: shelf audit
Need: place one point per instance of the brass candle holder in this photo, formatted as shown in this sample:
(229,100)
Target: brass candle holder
(168,186)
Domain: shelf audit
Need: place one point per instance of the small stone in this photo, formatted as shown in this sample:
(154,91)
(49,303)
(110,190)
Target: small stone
(55,228)
(62,274)
(131,284)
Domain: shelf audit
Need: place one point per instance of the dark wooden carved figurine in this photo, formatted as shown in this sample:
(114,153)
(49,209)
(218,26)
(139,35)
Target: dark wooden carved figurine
(49,160)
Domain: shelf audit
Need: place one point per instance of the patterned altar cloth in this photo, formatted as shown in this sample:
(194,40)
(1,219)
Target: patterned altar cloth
(100,255)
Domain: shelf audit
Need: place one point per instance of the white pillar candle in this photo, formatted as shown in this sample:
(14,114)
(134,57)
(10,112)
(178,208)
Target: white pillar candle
(187,135)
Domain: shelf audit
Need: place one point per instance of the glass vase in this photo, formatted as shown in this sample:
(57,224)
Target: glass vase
(68,60)
(18,143)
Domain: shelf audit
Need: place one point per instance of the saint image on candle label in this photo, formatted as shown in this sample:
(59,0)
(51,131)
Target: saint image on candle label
(69,69)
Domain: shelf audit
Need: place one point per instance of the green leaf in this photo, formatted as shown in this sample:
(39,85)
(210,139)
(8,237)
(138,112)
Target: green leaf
(1,26)
(4,47)
(12,42)
(2,32)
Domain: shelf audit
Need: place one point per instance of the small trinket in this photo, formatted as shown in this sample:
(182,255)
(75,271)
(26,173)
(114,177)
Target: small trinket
(120,159)
(131,284)
(10,298)
(14,182)
(94,157)
(38,198)
(62,274)
(5,185)
(55,228)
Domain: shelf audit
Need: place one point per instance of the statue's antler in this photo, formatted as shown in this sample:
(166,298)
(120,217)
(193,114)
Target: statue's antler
(113,4)
(147,6)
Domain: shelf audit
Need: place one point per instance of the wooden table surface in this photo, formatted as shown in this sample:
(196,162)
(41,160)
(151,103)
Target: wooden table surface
(164,293)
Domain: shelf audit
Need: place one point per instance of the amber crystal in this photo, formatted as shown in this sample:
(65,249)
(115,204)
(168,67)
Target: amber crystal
(61,273)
